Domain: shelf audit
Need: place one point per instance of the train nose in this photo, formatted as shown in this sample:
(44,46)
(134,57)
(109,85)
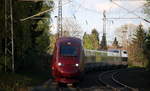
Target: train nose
(69,69)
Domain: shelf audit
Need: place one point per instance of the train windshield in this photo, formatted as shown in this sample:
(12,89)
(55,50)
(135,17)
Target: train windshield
(66,50)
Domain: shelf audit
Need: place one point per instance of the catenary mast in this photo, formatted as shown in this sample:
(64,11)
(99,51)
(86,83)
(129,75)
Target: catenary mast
(59,19)
(103,41)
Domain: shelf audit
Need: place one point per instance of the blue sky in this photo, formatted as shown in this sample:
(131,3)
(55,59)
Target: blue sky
(89,13)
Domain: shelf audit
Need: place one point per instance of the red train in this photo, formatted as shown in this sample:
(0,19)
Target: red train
(67,61)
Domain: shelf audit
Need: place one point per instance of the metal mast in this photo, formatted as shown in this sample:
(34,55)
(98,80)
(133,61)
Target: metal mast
(104,42)
(5,35)
(59,19)
(9,36)
(12,35)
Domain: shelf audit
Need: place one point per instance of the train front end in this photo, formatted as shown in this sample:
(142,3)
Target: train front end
(66,66)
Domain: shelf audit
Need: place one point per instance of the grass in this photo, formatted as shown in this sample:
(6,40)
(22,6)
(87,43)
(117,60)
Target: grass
(9,81)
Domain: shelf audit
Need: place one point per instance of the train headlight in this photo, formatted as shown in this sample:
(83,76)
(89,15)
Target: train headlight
(59,64)
(77,65)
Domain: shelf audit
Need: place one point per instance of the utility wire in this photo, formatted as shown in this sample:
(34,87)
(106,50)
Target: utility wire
(110,18)
(39,18)
(138,17)
(135,9)
(40,13)
(91,10)
(79,6)
(130,12)
(77,9)
(123,18)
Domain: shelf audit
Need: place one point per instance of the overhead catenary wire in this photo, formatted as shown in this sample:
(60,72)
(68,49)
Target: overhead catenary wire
(37,18)
(130,12)
(135,10)
(77,9)
(130,0)
(123,18)
(40,13)
(91,10)
(80,6)
(137,16)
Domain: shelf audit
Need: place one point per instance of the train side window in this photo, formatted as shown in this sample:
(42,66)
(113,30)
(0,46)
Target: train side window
(115,51)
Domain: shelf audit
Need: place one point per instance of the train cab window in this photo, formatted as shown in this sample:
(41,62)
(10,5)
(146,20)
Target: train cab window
(66,50)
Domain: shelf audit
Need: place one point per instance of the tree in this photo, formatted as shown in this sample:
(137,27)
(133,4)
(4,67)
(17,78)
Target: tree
(125,34)
(136,54)
(115,43)
(95,38)
(31,37)
(53,38)
(71,28)
(103,45)
(147,40)
(91,41)
(147,48)
(87,42)
(147,8)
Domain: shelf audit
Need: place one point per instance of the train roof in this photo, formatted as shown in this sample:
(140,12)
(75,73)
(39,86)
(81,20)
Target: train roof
(71,39)
(116,50)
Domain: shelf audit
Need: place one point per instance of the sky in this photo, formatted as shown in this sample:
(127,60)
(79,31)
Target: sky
(89,14)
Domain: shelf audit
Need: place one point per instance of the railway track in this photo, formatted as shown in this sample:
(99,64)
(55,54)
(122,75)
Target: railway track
(108,79)
(89,83)
(93,81)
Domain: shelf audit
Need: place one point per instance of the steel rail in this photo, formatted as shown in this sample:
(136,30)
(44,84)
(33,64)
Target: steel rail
(126,86)
(115,72)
